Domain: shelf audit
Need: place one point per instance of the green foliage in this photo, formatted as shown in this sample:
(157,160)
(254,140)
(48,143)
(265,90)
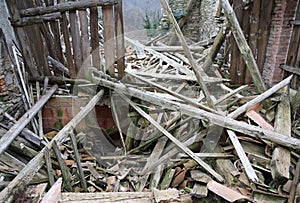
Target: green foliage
(152,20)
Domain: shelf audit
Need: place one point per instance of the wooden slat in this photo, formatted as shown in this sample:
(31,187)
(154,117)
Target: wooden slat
(120,44)
(76,43)
(95,37)
(109,44)
(264,31)
(253,36)
(66,34)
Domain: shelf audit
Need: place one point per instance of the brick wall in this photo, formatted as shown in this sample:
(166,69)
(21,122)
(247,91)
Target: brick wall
(59,110)
(279,40)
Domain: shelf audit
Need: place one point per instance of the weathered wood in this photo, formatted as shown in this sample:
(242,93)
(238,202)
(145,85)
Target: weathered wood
(218,42)
(166,181)
(37,162)
(78,162)
(75,33)
(49,166)
(295,182)
(243,46)
(85,42)
(67,6)
(63,167)
(120,44)
(174,140)
(109,41)
(66,34)
(25,21)
(13,132)
(243,157)
(124,197)
(175,48)
(196,69)
(96,61)
(161,56)
(260,98)
(223,121)
(190,101)
(291,69)
(54,193)
(58,65)
(281,158)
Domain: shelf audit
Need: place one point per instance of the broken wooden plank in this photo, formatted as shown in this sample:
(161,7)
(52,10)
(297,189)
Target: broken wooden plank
(13,132)
(38,161)
(243,46)
(67,6)
(119,197)
(259,98)
(291,69)
(174,140)
(281,158)
(223,121)
(49,166)
(175,48)
(258,119)
(196,69)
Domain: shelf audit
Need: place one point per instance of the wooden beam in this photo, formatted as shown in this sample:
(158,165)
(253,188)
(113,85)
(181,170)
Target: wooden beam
(109,42)
(96,61)
(291,69)
(29,171)
(281,158)
(14,131)
(120,44)
(67,6)
(243,46)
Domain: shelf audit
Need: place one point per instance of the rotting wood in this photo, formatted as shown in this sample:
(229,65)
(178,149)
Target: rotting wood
(96,59)
(13,132)
(49,166)
(175,48)
(243,46)
(67,6)
(38,161)
(219,120)
(25,21)
(281,158)
(58,65)
(196,69)
(85,42)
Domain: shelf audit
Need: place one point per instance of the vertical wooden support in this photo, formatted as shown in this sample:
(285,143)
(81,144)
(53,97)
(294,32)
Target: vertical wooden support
(264,31)
(281,158)
(253,34)
(109,43)
(96,61)
(85,42)
(65,31)
(120,45)
(235,68)
(56,36)
(75,40)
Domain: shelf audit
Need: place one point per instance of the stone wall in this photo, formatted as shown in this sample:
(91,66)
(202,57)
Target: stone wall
(279,40)
(201,24)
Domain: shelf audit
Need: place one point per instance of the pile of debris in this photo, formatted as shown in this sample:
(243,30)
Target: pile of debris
(184,133)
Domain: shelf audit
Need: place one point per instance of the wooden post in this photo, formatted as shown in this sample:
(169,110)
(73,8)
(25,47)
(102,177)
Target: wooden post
(281,158)
(243,46)
(109,42)
(85,42)
(120,45)
(13,132)
(96,61)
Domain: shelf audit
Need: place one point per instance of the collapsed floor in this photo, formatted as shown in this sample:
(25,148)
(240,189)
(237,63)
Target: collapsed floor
(170,143)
